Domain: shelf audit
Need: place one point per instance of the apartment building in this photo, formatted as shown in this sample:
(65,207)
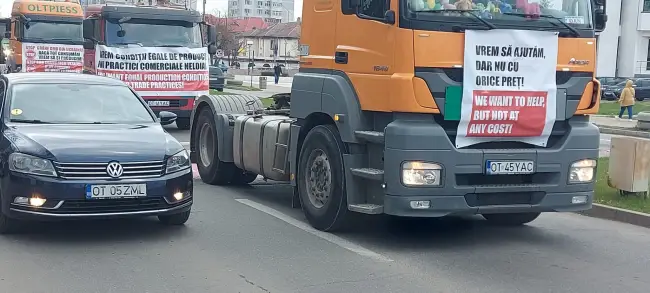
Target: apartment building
(189,4)
(624,46)
(272,11)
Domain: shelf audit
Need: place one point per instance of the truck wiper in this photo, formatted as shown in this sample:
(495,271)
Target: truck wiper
(32,121)
(574,32)
(63,39)
(470,12)
(170,46)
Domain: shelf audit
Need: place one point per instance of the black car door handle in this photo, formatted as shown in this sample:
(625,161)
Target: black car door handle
(341,57)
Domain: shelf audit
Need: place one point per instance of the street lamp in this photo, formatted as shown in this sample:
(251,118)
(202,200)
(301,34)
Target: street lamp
(249,44)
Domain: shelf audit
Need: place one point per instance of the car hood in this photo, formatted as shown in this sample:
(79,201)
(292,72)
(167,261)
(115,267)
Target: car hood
(94,142)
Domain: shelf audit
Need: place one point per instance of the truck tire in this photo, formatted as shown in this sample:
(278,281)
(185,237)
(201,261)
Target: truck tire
(236,104)
(212,170)
(321,179)
(183,123)
(516,219)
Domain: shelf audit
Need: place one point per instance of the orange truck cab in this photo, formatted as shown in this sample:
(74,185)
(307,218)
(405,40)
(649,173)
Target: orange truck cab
(45,36)
(141,46)
(424,108)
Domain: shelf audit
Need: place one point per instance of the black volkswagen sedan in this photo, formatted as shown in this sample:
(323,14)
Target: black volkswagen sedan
(83,146)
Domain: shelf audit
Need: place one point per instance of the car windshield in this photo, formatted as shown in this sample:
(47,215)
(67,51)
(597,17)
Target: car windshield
(51,30)
(148,33)
(574,12)
(76,103)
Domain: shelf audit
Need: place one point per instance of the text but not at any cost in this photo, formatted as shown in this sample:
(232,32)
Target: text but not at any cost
(506,117)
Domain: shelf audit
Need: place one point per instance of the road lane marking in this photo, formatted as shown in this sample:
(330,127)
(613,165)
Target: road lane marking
(326,236)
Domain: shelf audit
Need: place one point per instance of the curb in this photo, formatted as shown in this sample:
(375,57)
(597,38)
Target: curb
(624,132)
(617,214)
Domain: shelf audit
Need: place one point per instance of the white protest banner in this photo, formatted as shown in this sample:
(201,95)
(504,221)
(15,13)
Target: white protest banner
(509,88)
(157,71)
(52,58)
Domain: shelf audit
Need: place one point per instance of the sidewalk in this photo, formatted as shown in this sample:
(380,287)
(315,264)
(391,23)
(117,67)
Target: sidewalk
(611,125)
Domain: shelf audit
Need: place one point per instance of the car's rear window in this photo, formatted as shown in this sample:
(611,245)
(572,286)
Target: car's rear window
(76,103)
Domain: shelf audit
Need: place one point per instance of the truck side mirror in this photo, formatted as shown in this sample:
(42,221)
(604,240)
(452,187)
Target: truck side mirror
(600,20)
(212,35)
(89,44)
(212,49)
(89,29)
(600,2)
(7,34)
(354,3)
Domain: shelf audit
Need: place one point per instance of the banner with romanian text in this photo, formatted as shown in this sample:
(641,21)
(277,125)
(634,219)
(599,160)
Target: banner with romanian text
(509,88)
(52,58)
(157,71)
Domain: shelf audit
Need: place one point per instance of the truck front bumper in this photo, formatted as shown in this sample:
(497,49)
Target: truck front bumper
(465,187)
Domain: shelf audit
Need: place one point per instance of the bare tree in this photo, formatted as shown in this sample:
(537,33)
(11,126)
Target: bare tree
(230,40)
(546,4)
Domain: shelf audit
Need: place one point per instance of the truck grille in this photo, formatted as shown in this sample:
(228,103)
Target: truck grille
(97,171)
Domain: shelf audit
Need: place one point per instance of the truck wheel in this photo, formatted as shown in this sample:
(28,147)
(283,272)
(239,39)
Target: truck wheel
(511,219)
(321,179)
(183,123)
(242,177)
(212,170)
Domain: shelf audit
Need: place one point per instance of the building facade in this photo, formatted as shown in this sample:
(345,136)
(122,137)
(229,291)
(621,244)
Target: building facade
(624,46)
(272,11)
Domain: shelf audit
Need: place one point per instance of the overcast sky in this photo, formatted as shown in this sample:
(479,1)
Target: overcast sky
(212,5)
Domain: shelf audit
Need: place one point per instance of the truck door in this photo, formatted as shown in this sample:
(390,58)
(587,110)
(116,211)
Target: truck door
(365,50)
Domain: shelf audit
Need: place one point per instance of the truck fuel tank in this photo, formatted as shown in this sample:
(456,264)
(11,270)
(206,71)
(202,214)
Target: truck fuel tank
(260,145)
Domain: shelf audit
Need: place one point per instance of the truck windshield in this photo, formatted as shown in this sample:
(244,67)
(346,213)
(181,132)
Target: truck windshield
(53,30)
(156,33)
(508,13)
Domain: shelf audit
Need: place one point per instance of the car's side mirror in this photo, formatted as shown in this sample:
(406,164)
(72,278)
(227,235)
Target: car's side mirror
(89,44)
(167,117)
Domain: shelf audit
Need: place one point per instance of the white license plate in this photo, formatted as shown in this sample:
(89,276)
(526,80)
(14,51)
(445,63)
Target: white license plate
(116,191)
(158,103)
(509,167)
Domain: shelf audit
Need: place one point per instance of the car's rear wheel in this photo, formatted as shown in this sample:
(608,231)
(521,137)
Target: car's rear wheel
(175,219)
(514,219)
(183,123)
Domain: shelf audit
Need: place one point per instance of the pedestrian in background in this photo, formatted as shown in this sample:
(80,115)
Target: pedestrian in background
(277,70)
(626,100)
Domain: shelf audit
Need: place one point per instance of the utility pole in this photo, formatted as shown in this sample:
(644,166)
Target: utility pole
(204,2)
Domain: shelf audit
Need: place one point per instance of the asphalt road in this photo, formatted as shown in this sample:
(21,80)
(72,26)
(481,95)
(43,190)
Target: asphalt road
(250,240)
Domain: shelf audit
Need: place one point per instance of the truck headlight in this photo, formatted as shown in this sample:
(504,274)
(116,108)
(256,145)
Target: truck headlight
(582,171)
(23,163)
(421,174)
(179,161)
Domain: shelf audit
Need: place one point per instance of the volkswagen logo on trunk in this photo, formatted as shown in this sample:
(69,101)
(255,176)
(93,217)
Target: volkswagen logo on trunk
(114,169)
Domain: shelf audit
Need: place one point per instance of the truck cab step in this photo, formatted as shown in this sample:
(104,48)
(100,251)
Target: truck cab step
(370,136)
(366,208)
(368,173)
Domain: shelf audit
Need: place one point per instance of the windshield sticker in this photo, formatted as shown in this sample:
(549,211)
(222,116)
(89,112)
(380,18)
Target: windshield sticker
(16,112)
(574,19)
